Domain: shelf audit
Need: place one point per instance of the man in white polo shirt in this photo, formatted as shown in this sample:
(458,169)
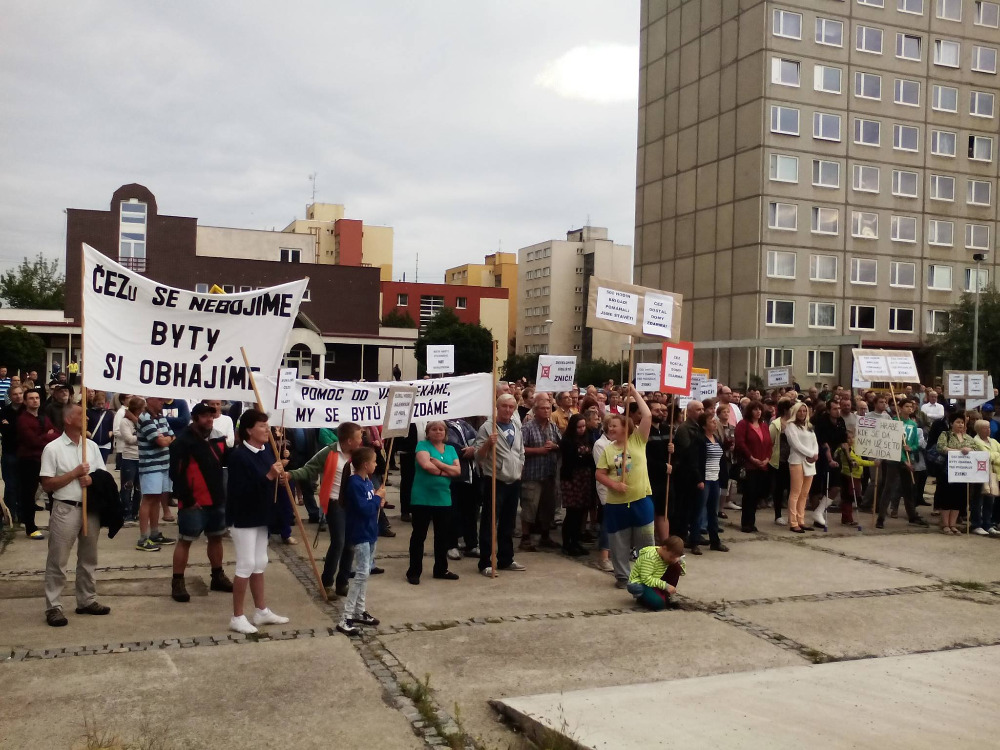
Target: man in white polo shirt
(64,474)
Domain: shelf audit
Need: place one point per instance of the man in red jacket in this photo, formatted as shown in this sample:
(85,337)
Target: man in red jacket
(34,432)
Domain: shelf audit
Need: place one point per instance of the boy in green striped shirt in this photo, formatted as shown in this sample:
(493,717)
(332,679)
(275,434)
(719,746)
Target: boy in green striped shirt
(656,572)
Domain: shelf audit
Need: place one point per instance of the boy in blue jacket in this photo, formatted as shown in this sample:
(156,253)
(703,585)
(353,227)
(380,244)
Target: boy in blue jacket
(362,503)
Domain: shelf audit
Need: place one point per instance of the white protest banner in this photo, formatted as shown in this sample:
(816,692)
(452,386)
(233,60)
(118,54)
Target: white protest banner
(879,439)
(327,403)
(707,388)
(676,370)
(286,381)
(886,366)
(440,359)
(658,315)
(778,377)
(151,339)
(399,411)
(555,372)
(970,468)
(647,377)
(633,310)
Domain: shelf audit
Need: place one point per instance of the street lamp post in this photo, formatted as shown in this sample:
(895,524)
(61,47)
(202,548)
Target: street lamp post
(979,258)
(548,334)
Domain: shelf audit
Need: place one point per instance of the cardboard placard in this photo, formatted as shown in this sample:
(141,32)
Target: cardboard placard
(399,405)
(885,366)
(970,468)
(857,381)
(440,359)
(555,373)
(676,370)
(286,383)
(707,388)
(878,438)
(633,310)
(779,377)
(975,403)
(647,377)
(966,384)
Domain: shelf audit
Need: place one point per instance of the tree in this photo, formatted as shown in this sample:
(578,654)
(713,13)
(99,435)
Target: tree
(600,371)
(956,347)
(473,343)
(518,366)
(396,319)
(20,350)
(34,285)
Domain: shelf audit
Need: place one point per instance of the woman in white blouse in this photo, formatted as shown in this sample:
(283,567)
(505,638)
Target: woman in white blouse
(802,456)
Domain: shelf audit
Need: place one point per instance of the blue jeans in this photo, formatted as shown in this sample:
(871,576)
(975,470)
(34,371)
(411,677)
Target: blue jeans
(982,511)
(364,556)
(710,509)
(8,468)
(130,495)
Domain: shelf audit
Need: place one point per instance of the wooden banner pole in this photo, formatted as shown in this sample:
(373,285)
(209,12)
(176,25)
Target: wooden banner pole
(670,460)
(284,477)
(628,395)
(968,511)
(875,495)
(906,448)
(493,478)
(83,389)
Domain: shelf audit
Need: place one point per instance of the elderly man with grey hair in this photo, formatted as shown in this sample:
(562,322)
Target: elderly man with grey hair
(506,439)
(538,482)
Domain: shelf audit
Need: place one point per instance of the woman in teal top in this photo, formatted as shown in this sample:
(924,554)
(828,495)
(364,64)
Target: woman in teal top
(437,463)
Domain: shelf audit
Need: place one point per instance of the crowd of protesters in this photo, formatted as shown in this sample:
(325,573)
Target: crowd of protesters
(635,479)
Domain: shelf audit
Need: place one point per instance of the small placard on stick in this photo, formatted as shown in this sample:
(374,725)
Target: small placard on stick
(399,405)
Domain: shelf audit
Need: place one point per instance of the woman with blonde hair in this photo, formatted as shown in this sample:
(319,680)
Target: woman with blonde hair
(983,508)
(802,456)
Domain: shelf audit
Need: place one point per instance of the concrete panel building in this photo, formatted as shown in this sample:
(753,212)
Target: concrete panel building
(498,270)
(342,241)
(553,279)
(816,168)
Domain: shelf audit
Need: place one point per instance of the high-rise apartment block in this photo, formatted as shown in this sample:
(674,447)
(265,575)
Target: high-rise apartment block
(498,270)
(553,283)
(814,169)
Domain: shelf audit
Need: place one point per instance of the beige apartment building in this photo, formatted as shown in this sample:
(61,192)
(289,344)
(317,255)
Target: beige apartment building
(342,241)
(553,279)
(498,270)
(815,169)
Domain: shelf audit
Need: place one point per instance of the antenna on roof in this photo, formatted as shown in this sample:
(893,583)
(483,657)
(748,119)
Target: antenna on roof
(416,269)
(312,177)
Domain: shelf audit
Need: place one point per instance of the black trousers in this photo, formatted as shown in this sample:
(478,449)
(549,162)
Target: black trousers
(781,483)
(407,470)
(686,497)
(423,516)
(754,488)
(27,477)
(572,528)
(465,501)
(508,496)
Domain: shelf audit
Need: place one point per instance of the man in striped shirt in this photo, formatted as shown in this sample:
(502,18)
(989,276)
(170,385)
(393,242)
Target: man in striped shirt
(4,384)
(155,437)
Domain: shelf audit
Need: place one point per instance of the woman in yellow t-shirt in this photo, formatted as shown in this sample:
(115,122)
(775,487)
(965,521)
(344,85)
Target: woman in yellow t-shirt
(628,513)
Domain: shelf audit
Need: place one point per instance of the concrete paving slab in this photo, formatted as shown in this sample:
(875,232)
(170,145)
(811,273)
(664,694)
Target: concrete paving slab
(949,557)
(22,588)
(921,701)
(884,625)
(132,618)
(471,665)
(765,569)
(310,693)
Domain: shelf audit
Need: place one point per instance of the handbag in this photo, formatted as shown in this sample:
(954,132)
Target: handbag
(937,458)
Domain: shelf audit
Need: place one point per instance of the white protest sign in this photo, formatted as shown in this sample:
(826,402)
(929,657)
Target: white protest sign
(871,365)
(555,372)
(967,384)
(617,306)
(902,367)
(658,315)
(327,403)
(647,377)
(399,411)
(976,385)
(885,366)
(696,380)
(975,403)
(286,381)
(857,381)
(143,337)
(440,359)
(779,377)
(879,439)
(707,388)
(955,384)
(970,468)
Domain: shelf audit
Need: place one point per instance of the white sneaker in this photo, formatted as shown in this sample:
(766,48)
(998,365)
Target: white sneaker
(487,571)
(979,531)
(454,554)
(994,531)
(781,521)
(242,625)
(515,566)
(732,506)
(606,566)
(267,617)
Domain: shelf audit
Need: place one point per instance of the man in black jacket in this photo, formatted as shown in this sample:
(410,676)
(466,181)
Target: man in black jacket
(196,463)
(683,508)
(8,442)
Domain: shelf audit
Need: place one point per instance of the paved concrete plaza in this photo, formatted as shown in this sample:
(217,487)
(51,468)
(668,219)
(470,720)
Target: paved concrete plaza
(839,639)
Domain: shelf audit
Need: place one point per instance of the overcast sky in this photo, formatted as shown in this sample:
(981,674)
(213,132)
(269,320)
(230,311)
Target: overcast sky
(463,124)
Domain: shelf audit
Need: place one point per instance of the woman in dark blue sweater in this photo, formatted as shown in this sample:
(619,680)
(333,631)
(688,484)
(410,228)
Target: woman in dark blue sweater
(250,508)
